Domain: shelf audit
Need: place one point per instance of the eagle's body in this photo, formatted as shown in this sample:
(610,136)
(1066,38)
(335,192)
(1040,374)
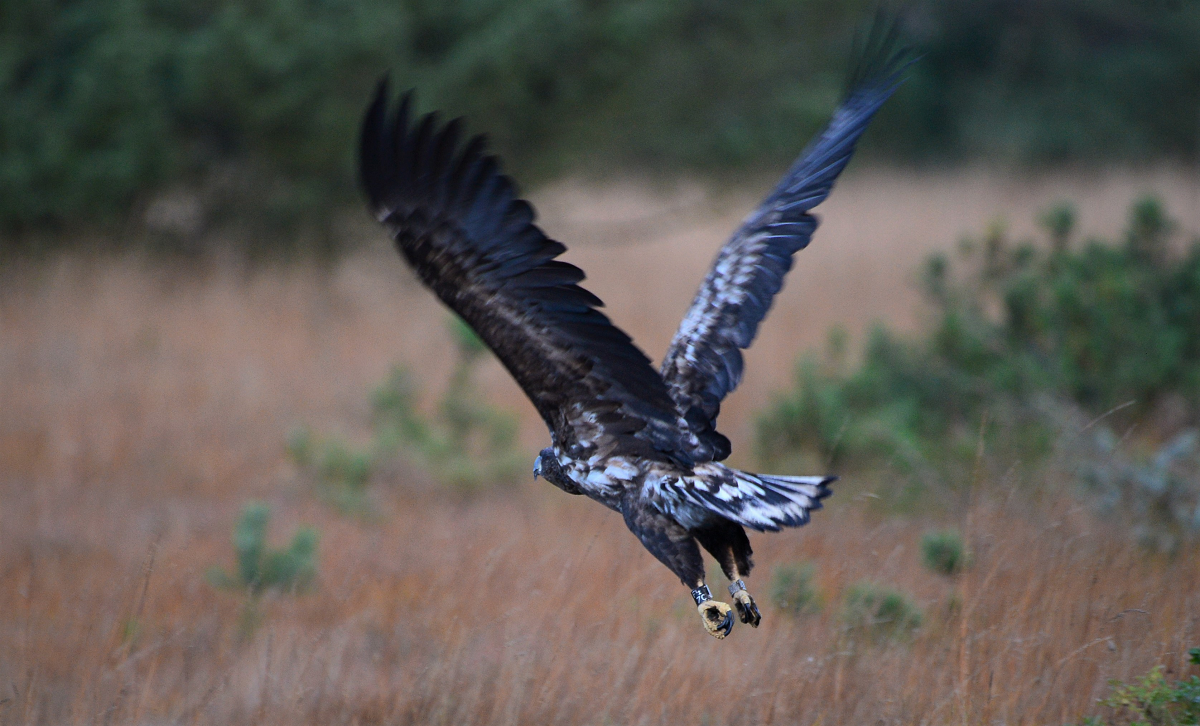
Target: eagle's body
(641,442)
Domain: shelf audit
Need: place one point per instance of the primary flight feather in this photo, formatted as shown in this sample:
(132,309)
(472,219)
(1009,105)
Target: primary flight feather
(640,441)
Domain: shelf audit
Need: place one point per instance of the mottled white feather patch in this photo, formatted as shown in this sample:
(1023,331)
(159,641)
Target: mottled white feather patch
(759,501)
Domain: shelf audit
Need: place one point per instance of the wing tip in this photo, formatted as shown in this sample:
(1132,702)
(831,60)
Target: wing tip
(880,60)
(880,55)
(371,142)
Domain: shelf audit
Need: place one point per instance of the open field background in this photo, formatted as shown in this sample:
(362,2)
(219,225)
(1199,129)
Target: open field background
(142,403)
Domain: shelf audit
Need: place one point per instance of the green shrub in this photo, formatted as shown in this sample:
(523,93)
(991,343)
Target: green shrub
(880,612)
(944,552)
(261,568)
(340,471)
(344,473)
(255,105)
(1059,222)
(300,445)
(1023,341)
(1152,701)
(793,591)
(464,444)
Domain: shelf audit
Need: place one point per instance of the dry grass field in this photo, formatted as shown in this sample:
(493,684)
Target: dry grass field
(142,404)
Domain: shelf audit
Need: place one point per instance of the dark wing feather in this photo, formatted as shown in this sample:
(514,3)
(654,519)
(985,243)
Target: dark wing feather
(458,222)
(704,361)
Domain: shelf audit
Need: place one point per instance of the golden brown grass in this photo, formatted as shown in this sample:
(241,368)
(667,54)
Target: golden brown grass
(141,405)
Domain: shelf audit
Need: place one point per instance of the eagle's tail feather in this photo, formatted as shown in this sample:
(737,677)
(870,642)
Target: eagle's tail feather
(771,502)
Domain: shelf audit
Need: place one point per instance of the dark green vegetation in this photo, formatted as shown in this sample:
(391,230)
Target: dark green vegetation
(463,443)
(944,552)
(261,568)
(880,613)
(1152,700)
(875,612)
(247,111)
(869,610)
(793,590)
(1079,359)
(340,471)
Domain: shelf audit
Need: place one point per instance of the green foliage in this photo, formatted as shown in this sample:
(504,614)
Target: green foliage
(344,468)
(944,552)
(464,444)
(793,591)
(340,471)
(1059,222)
(880,612)
(1058,80)
(299,446)
(1153,701)
(261,568)
(254,106)
(1024,341)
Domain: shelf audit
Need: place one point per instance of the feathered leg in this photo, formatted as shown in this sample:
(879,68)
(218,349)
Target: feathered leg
(727,542)
(675,547)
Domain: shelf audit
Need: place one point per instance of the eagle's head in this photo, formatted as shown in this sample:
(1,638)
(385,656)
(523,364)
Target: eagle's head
(545,456)
(548,467)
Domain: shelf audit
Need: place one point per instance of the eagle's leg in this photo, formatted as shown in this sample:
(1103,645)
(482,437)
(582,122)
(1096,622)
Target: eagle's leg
(715,616)
(746,607)
(727,542)
(675,547)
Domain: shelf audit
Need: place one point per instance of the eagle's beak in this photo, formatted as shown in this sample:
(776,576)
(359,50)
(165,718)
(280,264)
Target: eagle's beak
(537,467)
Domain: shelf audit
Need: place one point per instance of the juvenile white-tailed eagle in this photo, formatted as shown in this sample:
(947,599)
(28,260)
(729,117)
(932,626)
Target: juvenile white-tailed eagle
(641,442)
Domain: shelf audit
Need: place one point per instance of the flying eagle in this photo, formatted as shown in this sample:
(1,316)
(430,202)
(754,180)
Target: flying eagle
(641,442)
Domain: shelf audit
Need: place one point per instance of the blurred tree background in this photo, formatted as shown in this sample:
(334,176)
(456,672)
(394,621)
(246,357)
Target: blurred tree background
(250,107)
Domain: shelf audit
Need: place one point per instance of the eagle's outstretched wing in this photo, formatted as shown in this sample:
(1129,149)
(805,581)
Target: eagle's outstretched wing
(459,224)
(704,361)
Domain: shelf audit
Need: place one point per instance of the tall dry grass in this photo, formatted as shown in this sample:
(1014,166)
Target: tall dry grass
(525,610)
(142,404)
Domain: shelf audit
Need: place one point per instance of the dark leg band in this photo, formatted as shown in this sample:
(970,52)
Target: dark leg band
(701,595)
(735,587)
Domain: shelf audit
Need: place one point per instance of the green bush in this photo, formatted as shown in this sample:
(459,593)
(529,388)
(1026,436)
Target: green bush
(793,591)
(1022,338)
(254,105)
(944,552)
(464,444)
(260,568)
(1153,701)
(340,472)
(880,612)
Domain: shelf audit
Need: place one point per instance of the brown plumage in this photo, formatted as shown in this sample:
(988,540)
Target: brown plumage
(641,442)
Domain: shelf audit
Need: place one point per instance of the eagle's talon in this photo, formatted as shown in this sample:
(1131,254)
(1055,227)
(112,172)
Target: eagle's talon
(717,618)
(727,623)
(747,609)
